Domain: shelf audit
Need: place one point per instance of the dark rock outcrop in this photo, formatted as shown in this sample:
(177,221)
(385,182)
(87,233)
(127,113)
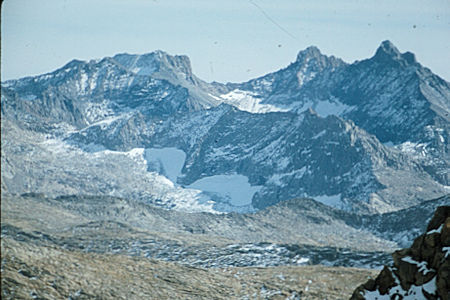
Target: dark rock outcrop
(419,272)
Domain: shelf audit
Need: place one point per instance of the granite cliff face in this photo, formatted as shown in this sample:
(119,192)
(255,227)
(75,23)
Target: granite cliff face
(419,272)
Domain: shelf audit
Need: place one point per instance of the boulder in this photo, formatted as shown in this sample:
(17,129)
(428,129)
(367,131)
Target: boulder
(421,271)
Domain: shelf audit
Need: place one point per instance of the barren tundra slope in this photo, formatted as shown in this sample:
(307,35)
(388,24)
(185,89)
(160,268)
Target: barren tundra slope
(88,247)
(50,252)
(34,272)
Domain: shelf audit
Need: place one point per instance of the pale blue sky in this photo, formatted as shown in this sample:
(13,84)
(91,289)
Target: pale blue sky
(229,40)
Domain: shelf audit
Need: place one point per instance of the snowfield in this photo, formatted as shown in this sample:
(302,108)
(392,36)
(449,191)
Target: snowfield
(232,189)
(248,101)
(166,161)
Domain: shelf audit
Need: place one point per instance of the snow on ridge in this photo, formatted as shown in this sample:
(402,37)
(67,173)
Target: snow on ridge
(248,101)
(251,102)
(99,112)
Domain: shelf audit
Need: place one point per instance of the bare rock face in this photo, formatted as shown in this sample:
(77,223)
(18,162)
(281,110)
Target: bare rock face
(419,272)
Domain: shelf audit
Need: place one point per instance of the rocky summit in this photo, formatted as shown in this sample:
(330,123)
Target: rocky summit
(419,272)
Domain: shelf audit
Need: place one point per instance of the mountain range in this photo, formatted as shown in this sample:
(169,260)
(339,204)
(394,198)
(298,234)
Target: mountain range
(367,137)
(129,176)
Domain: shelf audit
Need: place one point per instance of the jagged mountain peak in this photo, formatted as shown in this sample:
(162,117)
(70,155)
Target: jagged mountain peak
(310,52)
(74,63)
(387,53)
(311,61)
(312,56)
(388,47)
(409,57)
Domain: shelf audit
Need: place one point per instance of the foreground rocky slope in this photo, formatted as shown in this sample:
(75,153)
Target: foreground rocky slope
(32,272)
(287,236)
(419,272)
(300,231)
(87,246)
(102,247)
(84,247)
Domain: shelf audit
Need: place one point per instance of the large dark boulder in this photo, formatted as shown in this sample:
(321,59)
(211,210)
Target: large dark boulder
(419,272)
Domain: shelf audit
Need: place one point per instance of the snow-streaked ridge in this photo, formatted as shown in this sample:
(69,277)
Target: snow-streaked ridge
(248,101)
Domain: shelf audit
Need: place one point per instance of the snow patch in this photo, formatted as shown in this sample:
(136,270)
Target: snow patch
(422,266)
(233,189)
(166,161)
(319,135)
(305,77)
(147,70)
(146,186)
(139,64)
(430,286)
(247,101)
(302,260)
(416,150)
(436,230)
(397,292)
(326,108)
(83,81)
(446,251)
